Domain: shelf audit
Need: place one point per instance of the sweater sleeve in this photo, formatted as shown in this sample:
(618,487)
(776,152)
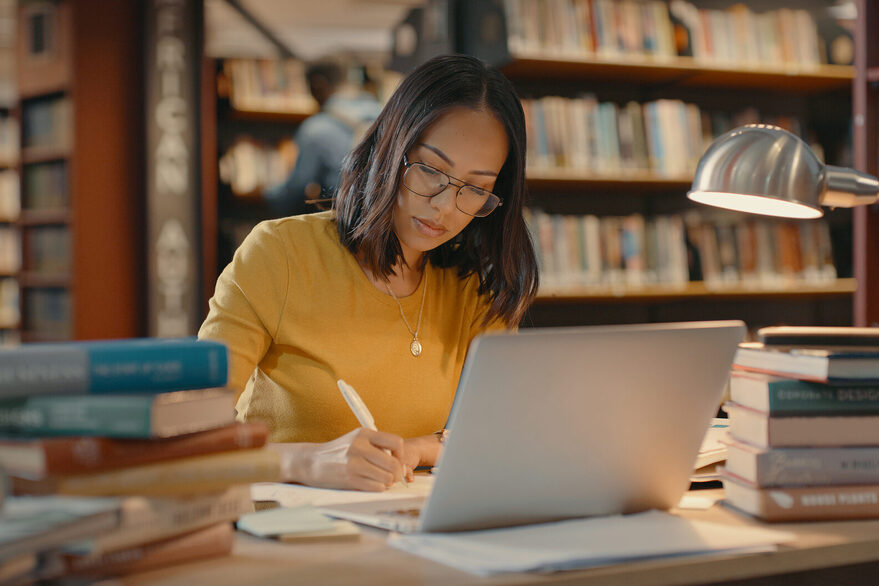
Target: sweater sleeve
(248,302)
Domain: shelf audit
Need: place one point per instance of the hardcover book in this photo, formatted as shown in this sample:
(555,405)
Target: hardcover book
(41,457)
(112,366)
(185,476)
(36,524)
(121,416)
(807,503)
(787,396)
(212,541)
(820,364)
(759,428)
(147,519)
(772,467)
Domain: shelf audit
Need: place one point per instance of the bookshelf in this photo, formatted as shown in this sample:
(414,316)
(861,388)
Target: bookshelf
(795,89)
(866,152)
(78,76)
(10,239)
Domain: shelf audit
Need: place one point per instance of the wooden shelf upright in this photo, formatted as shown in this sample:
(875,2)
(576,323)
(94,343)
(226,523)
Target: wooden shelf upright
(79,74)
(866,149)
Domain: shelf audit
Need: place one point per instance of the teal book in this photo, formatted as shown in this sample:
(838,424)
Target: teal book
(112,366)
(782,396)
(118,416)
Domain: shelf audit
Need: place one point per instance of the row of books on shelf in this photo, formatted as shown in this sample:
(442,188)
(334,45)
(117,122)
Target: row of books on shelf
(272,85)
(664,136)
(123,456)
(8,25)
(804,425)
(249,166)
(47,250)
(10,250)
(735,36)
(10,201)
(9,138)
(47,123)
(634,251)
(48,312)
(10,314)
(45,186)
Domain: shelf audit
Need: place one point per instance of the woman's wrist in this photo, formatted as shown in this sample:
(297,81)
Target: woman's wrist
(296,461)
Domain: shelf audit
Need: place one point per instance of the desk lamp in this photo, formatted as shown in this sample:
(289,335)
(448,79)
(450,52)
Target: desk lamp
(763,169)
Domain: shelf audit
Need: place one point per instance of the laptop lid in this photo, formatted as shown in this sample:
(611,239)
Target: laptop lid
(553,423)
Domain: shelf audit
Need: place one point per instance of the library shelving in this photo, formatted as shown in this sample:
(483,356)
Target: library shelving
(78,77)
(558,68)
(866,153)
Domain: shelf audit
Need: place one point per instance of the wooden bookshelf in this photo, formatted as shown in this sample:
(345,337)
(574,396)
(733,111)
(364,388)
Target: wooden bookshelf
(866,150)
(89,59)
(265,115)
(682,71)
(573,179)
(33,155)
(808,93)
(661,293)
(44,217)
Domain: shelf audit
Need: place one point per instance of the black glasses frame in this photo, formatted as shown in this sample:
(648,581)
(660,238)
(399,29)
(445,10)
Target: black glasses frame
(460,185)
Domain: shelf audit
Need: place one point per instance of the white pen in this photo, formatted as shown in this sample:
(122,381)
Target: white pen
(361,412)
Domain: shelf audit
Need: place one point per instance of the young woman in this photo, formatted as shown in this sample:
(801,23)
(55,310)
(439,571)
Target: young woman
(425,248)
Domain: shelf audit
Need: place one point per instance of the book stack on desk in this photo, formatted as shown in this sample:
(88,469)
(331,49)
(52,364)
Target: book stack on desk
(146,423)
(804,425)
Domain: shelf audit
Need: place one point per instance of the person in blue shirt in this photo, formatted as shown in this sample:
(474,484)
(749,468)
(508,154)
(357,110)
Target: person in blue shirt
(323,139)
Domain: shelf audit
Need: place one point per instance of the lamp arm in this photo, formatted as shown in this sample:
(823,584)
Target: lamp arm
(847,188)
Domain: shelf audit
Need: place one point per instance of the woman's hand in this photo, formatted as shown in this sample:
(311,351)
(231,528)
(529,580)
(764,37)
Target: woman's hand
(358,460)
(419,451)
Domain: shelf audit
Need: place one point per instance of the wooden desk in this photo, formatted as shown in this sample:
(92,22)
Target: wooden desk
(827,553)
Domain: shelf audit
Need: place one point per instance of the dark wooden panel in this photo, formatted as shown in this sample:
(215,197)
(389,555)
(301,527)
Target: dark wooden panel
(866,150)
(106,176)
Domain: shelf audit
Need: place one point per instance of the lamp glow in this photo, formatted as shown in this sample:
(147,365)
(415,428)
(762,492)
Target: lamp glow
(763,169)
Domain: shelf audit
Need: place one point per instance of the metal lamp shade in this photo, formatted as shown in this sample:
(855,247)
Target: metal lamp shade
(761,169)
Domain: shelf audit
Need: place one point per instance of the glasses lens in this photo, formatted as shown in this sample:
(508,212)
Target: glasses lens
(423,180)
(476,202)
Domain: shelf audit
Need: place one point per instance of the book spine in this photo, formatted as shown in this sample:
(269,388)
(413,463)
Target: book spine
(145,520)
(178,477)
(805,504)
(791,396)
(93,454)
(77,415)
(215,540)
(101,367)
(805,466)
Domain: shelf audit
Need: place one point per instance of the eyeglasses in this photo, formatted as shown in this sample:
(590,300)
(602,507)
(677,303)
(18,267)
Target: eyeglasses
(427,181)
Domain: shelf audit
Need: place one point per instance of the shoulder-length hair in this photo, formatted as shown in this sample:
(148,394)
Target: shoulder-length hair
(497,247)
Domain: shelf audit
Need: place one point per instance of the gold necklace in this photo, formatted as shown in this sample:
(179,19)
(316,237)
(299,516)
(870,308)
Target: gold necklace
(415,345)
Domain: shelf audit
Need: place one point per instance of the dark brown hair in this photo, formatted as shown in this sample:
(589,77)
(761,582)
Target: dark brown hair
(498,247)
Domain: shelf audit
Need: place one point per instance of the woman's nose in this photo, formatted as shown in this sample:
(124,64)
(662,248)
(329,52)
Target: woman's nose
(445,199)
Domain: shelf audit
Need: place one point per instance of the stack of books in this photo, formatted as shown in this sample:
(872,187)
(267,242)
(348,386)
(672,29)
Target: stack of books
(804,425)
(144,428)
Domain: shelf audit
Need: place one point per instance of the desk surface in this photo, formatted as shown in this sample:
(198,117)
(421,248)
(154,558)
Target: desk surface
(371,561)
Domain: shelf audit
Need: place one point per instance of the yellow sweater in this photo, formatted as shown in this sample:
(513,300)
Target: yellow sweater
(297,313)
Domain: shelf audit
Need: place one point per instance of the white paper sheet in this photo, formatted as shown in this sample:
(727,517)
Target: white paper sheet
(296,495)
(583,543)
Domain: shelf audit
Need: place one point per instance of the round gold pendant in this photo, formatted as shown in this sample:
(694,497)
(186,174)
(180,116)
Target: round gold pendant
(415,348)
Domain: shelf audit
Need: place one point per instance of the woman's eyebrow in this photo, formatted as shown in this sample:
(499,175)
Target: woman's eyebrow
(451,163)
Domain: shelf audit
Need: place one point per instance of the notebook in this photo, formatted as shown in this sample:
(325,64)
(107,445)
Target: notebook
(558,423)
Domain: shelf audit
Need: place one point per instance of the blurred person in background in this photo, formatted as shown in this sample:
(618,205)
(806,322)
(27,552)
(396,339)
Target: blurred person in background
(323,140)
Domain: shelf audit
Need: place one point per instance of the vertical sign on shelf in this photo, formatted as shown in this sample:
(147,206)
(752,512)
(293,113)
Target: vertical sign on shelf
(173,56)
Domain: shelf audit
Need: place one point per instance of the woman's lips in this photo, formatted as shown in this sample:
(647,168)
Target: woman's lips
(428,229)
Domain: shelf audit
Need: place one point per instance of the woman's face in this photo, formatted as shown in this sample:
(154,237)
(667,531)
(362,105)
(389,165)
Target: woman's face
(468,145)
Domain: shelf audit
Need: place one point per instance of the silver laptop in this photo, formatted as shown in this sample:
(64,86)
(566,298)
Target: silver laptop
(556,423)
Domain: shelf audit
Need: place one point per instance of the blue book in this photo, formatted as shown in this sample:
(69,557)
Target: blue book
(111,366)
(130,415)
